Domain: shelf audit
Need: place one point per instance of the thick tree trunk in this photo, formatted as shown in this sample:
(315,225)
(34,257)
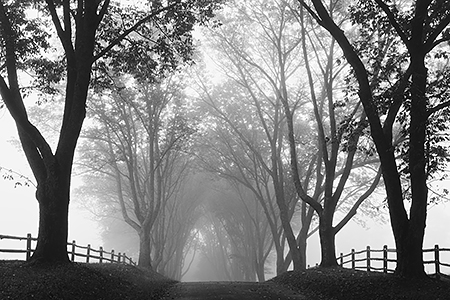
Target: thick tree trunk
(327,244)
(410,241)
(53,198)
(144,259)
(409,254)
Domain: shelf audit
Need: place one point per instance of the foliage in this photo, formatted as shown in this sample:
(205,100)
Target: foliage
(386,59)
(17,178)
(157,47)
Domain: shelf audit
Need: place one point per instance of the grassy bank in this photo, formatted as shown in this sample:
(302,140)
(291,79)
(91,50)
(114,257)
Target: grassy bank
(79,281)
(345,284)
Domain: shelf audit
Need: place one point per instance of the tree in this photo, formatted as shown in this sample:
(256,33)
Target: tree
(268,68)
(240,152)
(251,64)
(422,27)
(78,26)
(340,128)
(247,228)
(138,142)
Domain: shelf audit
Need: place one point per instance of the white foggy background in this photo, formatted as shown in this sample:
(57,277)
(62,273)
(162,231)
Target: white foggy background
(19,215)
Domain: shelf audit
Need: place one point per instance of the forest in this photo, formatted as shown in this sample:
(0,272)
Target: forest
(227,133)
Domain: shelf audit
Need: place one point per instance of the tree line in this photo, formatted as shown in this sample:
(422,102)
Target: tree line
(294,110)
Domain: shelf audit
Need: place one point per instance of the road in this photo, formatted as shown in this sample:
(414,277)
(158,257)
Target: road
(230,291)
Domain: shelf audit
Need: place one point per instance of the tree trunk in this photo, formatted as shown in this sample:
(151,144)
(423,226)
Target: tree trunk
(302,244)
(410,241)
(327,244)
(53,198)
(144,259)
(260,272)
(290,237)
(409,254)
(280,260)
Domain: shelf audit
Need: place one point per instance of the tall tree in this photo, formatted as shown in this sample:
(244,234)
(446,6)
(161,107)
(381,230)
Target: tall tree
(422,26)
(81,30)
(340,128)
(137,141)
(269,68)
(240,152)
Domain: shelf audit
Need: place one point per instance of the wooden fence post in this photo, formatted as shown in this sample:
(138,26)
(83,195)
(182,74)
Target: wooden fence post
(118,257)
(28,246)
(437,262)
(101,255)
(368,258)
(385,258)
(353,259)
(341,260)
(73,250)
(88,252)
(112,255)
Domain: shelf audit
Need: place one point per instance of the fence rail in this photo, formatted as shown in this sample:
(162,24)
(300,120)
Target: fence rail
(87,253)
(367,260)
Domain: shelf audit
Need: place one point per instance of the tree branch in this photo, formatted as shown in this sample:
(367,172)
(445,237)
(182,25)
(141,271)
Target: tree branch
(393,22)
(438,107)
(117,40)
(64,36)
(360,200)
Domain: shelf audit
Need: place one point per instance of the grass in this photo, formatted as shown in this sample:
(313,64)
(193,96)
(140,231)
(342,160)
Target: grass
(346,284)
(115,281)
(79,281)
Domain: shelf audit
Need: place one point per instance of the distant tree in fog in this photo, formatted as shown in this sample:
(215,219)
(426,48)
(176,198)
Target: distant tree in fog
(241,219)
(283,90)
(137,142)
(237,149)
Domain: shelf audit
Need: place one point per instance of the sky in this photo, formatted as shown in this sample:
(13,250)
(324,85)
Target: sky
(19,214)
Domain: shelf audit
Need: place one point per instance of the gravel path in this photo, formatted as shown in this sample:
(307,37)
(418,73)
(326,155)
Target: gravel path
(230,291)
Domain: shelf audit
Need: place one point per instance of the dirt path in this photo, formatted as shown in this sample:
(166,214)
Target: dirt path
(230,291)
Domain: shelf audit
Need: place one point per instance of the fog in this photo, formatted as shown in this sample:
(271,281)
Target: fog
(19,216)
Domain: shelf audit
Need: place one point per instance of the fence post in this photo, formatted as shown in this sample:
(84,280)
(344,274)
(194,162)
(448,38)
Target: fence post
(88,252)
(437,262)
(353,259)
(101,254)
(385,258)
(118,257)
(112,255)
(73,250)
(341,260)
(368,258)
(124,258)
(28,246)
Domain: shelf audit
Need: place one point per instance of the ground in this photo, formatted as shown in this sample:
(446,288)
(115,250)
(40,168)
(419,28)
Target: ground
(79,281)
(346,284)
(114,281)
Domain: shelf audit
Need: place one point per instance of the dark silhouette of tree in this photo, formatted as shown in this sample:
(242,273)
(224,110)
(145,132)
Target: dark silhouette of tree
(407,96)
(87,38)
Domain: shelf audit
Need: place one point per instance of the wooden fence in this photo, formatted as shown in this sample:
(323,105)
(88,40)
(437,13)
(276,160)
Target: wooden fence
(367,260)
(87,253)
